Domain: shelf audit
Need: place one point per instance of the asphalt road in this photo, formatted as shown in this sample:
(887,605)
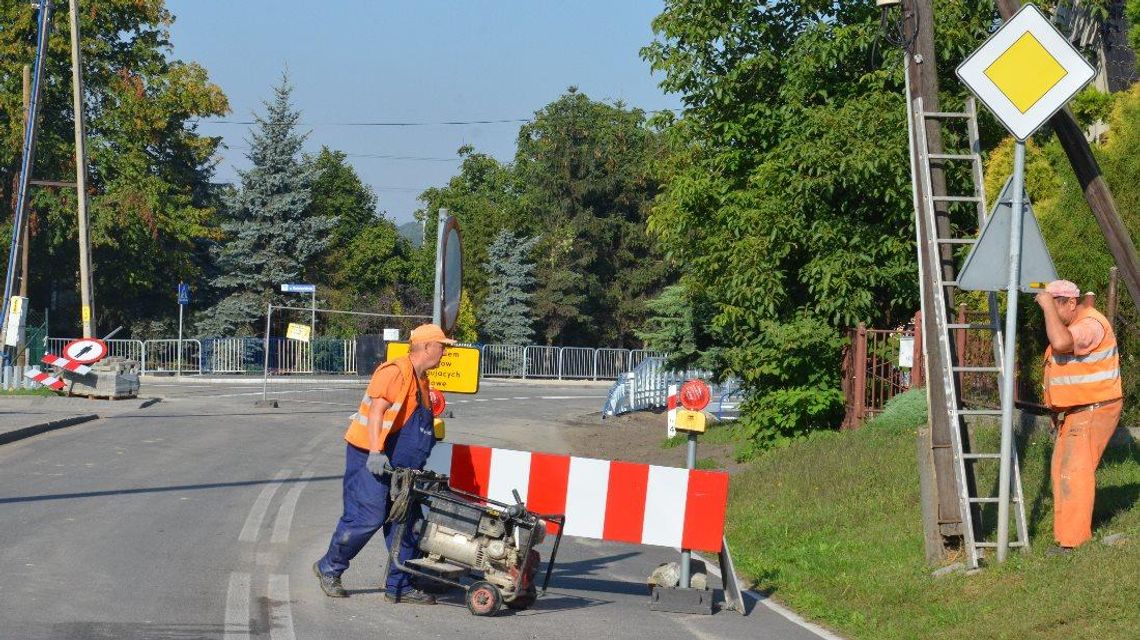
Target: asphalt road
(200,517)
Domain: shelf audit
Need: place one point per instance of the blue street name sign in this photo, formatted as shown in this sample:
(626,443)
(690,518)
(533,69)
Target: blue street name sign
(298,288)
(183,293)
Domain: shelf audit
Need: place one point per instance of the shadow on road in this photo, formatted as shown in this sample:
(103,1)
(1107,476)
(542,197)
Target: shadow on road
(184,487)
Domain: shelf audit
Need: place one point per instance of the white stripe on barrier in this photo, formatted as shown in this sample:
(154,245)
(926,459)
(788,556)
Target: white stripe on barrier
(665,497)
(585,491)
(510,469)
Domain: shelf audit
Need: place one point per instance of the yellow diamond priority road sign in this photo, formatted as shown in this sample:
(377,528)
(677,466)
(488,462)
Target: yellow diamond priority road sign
(1025,72)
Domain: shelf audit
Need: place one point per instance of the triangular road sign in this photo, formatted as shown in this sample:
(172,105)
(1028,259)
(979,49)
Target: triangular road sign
(987,266)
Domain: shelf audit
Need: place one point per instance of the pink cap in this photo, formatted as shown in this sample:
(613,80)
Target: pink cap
(1063,289)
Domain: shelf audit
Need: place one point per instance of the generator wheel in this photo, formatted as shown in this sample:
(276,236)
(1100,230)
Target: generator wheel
(525,600)
(484,599)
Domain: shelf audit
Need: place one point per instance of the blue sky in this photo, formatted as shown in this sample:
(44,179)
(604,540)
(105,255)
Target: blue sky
(414,61)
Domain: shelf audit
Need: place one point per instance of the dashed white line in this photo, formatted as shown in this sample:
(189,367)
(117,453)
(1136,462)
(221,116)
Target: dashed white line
(252,527)
(237,607)
(284,521)
(280,612)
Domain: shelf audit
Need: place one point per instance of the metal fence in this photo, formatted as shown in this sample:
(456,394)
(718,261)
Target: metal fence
(647,386)
(337,356)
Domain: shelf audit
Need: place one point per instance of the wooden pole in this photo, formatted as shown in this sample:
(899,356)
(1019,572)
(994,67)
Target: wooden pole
(1096,190)
(922,78)
(86,295)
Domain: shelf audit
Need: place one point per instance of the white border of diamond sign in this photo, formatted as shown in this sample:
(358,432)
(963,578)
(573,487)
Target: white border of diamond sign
(1078,72)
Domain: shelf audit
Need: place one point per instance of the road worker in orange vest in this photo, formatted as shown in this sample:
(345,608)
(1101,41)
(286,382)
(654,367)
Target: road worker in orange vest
(1082,388)
(393,427)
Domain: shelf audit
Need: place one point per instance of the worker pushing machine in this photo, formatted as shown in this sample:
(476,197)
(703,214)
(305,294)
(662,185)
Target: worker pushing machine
(1083,389)
(392,428)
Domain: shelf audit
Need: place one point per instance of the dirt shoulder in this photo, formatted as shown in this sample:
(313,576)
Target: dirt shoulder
(640,437)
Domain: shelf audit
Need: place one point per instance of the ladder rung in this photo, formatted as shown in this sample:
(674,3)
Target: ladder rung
(953,156)
(970,325)
(979,412)
(976,369)
(991,500)
(993,545)
(949,283)
(945,114)
(955,198)
(958,241)
(981,456)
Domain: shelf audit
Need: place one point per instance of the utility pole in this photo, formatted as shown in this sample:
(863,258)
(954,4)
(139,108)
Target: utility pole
(1096,190)
(87,303)
(922,82)
(25,234)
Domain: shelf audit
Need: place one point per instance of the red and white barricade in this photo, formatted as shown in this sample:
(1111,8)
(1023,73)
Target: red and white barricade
(602,499)
(65,364)
(45,379)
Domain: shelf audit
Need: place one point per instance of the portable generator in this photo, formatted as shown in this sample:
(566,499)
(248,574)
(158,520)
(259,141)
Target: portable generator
(480,545)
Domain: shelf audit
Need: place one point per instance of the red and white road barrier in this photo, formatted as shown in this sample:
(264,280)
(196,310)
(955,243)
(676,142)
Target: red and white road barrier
(45,379)
(64,363)
(602,499)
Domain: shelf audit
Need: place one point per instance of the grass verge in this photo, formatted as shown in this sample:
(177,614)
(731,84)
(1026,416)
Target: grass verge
(38,391)
(831,525)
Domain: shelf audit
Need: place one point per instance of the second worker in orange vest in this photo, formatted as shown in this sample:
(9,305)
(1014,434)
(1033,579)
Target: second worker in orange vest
(1082,386)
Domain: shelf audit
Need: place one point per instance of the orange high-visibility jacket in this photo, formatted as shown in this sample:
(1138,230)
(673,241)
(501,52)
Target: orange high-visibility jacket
(397,414)
(1072,381)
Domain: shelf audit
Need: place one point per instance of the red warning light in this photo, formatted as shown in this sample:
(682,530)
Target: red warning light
(695,395)
(438,402)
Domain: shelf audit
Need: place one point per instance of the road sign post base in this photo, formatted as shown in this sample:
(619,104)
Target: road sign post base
(678,600)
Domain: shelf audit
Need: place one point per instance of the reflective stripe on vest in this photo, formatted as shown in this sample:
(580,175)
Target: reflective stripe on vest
(357,433)
(1073,381)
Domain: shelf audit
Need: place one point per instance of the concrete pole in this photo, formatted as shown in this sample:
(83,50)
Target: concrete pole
(86,295)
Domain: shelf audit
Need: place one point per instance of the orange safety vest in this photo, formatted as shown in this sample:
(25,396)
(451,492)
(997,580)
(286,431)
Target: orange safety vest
(1073,381)
(397,414)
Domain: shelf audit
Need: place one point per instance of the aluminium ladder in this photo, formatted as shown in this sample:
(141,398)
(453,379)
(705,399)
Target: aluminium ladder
(964,458)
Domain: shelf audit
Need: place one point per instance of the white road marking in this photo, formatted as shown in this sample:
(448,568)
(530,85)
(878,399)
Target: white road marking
(252,527)
(284,521)
(237,607)
(569,397)
(280,611)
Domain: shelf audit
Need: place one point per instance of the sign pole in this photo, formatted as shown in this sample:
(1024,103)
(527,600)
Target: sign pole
(437,304)
(686,554)
(180,309)
(1009,339)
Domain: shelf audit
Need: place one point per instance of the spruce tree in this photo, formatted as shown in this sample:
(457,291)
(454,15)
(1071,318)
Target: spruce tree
(271,233)
(506,313)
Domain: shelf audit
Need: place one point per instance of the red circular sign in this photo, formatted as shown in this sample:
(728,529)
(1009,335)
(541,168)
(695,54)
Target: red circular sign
(438,402)
(694,395)
(85,350)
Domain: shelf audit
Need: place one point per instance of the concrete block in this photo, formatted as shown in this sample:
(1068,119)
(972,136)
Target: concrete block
(677,600)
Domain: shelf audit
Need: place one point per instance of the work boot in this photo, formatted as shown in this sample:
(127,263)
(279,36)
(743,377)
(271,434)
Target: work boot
(411,596)
(329,584)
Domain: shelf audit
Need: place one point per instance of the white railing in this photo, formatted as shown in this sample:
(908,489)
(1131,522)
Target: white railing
(647,386)
(337,356)
(161,356)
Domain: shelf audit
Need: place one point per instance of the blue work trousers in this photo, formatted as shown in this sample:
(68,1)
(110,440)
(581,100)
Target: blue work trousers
(366,501)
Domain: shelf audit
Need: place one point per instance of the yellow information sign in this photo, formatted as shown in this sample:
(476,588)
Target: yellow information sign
(297,331)
(458,371)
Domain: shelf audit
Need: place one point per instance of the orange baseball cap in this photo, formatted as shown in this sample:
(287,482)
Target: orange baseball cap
(429,333)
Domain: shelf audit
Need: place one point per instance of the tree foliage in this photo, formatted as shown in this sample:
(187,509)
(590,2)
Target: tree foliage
(787,201)
(271,234)
(506,316)
(150,202)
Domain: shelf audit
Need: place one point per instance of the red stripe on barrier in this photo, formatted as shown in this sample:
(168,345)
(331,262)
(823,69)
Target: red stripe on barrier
(471,468)
(625,502)
(672,402)
(704,511)
(549,478)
